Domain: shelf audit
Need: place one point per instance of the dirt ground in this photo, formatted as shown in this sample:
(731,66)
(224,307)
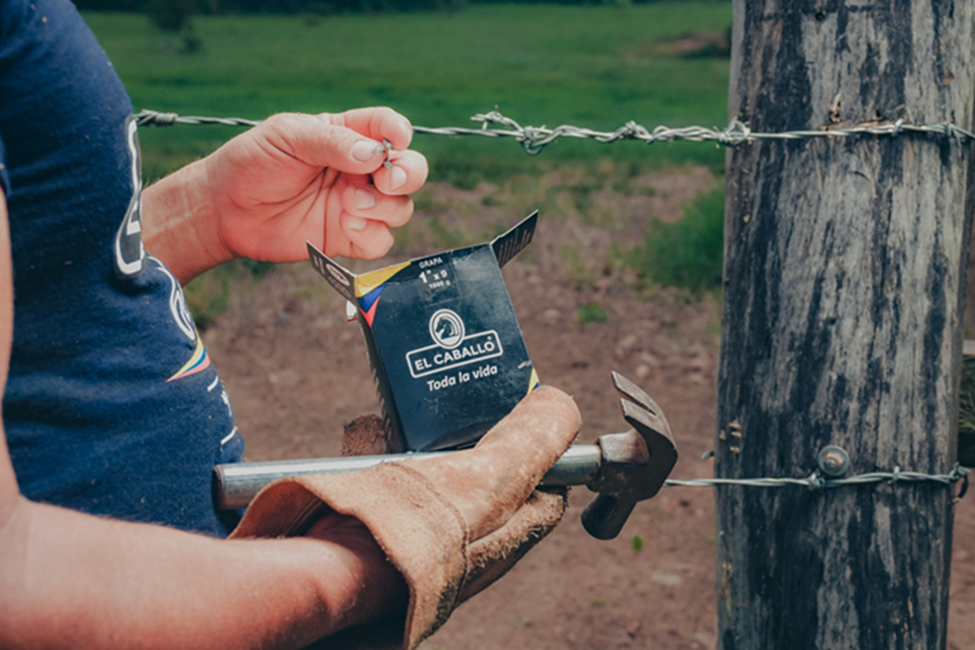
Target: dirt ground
(297,371)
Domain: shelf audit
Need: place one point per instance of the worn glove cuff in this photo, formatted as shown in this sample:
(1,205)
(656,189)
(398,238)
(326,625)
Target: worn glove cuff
(422,534)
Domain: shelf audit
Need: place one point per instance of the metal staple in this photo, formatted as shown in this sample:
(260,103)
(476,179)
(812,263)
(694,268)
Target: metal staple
(535,139)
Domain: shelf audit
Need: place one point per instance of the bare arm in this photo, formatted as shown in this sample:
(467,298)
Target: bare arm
(73,580)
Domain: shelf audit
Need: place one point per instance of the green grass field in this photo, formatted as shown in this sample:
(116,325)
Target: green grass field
(596,67)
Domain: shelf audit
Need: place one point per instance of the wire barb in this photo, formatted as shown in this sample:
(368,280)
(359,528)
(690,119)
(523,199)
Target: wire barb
(534,139)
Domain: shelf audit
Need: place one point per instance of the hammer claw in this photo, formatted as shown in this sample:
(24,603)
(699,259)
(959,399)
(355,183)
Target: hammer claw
(647,423)
(630,391)
(625,477)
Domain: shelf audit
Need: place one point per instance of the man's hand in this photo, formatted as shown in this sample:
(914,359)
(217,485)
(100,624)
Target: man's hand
(320,178)
(292,178)
(452,524)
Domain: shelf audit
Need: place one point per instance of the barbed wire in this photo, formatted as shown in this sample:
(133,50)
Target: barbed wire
(534,139)
(155,118)
(816,481)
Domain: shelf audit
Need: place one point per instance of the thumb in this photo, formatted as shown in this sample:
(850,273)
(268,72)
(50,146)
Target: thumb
(537,431)
(489,483)
(493,555)
(316,141)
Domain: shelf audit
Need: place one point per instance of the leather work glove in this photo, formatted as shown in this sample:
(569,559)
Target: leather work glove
(365,436)
(451,525)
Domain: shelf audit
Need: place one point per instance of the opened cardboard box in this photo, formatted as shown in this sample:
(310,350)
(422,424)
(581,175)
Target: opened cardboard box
(446,350)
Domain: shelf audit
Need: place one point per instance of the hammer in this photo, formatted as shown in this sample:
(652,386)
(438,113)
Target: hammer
(622,468)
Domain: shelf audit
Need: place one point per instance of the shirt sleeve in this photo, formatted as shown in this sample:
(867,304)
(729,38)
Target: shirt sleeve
(4,177)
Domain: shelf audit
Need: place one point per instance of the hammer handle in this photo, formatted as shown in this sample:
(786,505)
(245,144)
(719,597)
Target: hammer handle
(236,484)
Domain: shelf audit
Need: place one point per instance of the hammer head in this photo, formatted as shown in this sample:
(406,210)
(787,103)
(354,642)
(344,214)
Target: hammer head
(634,464)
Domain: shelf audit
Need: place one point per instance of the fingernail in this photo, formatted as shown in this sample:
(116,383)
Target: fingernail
(364,199)
(366,150)
(355,223)
(397,178)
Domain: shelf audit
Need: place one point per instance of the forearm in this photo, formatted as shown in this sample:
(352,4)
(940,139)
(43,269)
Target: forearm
(179,223)
(70,580)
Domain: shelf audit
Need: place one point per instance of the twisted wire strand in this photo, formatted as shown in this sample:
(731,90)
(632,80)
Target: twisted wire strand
(155,118)
(534,139)
(816,481)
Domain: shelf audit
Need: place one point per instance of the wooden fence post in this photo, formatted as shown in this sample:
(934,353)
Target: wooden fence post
(844,294)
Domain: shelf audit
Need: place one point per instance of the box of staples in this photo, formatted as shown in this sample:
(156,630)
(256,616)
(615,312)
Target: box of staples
(444,343)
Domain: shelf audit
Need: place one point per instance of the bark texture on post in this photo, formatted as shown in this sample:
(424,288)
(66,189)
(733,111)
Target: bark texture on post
(842,317)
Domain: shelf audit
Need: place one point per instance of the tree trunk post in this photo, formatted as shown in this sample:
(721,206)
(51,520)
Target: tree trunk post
(844,294)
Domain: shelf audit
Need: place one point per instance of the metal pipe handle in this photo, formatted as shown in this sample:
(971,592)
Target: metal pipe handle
(236,484)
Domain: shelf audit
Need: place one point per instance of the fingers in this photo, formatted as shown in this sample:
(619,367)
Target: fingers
(362,219)
(315,141)
(350,142)
(407,170)
(490,482)
(406,174)
(551,417)
(491,557)
(365,239)
(361,199)
(370,182)
(370,209)
(379,124)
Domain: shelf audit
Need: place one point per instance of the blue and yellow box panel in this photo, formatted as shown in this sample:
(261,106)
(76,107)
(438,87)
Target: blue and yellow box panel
(444,343)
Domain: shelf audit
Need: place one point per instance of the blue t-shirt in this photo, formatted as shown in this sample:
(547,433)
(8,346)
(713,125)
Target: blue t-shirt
(112,405)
